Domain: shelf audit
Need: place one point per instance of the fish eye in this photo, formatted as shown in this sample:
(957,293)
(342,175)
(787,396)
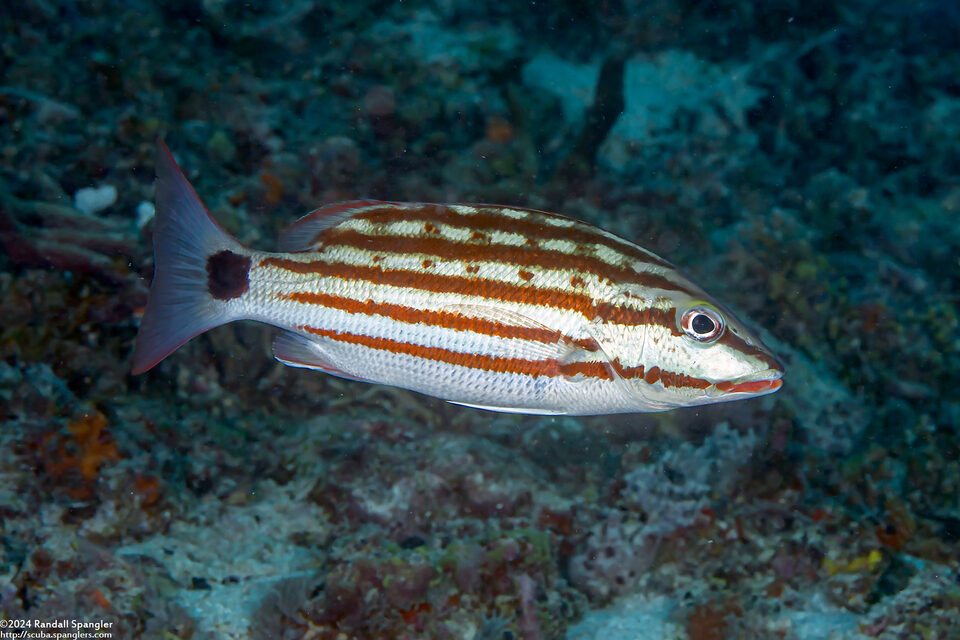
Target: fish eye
(702,323)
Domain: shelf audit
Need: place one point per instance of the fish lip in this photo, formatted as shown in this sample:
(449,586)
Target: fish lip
(754,384)
(778,367)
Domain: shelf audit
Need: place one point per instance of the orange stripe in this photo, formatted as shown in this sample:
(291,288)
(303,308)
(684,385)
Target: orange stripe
(616,314)
(524,256)
(734,341)
(491,218)
(501,364)
(444,319)
(754,386)
(495,364)
(586,369)
(489,289)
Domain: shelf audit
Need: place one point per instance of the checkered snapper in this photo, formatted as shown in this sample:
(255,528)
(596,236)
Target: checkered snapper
(493,307)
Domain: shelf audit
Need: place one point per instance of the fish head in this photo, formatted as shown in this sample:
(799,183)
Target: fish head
(702,354)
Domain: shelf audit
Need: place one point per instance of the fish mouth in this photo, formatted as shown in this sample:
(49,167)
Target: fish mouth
(756,384)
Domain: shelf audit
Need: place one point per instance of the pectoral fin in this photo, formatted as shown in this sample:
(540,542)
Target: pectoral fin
(535,340)
(629,391)
(295,350)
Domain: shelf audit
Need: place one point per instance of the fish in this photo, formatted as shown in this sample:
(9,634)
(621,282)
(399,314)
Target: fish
(493,307)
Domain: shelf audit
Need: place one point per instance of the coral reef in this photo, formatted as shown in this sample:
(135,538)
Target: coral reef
(669,495)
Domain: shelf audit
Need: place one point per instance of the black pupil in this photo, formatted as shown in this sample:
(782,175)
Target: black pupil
(702,324)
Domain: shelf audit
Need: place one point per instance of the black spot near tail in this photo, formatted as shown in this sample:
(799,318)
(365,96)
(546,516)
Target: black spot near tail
(228,275)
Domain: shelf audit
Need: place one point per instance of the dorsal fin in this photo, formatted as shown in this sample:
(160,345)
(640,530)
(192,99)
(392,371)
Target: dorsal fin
(302,234)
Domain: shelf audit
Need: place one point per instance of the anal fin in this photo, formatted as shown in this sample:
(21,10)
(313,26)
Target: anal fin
(526,410)
(295,350)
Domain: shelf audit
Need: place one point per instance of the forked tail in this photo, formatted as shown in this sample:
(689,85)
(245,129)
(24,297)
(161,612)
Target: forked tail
(198,267)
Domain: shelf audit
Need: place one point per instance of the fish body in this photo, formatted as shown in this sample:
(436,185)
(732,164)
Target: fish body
(494,307)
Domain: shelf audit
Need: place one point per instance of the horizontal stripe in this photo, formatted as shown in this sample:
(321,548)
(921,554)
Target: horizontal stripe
(599,370)
(671,379)
(753,386)
(732,340)
(630,316)
(487,289)
(443,319)
(537,225)
(499,364)
(418,228)
(493,364)
(566,280)
(524,257)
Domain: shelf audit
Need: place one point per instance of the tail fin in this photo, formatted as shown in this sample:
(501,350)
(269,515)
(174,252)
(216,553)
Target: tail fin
(185,238)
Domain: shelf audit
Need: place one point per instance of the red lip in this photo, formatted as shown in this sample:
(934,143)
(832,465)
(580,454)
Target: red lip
(754,386)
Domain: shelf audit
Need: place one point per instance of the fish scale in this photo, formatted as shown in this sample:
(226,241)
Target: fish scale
(495,307)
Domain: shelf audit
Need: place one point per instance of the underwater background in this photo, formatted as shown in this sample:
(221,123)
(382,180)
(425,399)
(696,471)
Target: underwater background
(800,159)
